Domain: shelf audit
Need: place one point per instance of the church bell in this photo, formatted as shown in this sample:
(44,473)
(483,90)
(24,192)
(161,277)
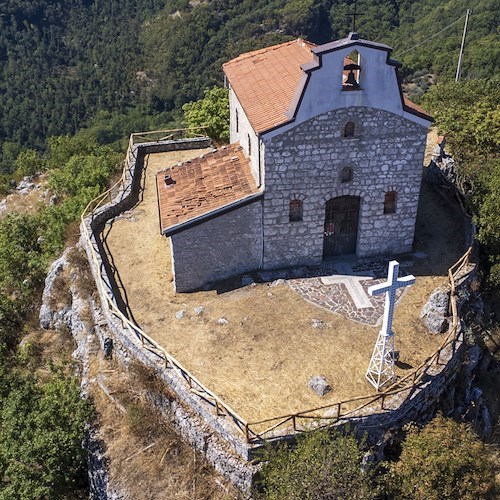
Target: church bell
(351,79)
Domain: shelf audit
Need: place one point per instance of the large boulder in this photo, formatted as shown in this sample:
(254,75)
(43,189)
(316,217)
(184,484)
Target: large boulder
(434,314)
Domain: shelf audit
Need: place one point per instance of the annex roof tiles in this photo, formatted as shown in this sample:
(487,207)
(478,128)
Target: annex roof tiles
(199,186)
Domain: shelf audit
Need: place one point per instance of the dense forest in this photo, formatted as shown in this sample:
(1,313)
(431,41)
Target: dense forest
(78,76)
(116,66)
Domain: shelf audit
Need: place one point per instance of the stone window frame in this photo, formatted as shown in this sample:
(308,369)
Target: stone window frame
(390,201)
(346,175)
(296,214)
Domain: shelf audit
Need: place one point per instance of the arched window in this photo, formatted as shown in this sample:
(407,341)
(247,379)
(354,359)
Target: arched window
(249,145)
(349,129)
(346,175)
(390,202)
(237,121)
(295,211)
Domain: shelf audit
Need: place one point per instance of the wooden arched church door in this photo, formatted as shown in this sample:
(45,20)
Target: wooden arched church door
(341,226)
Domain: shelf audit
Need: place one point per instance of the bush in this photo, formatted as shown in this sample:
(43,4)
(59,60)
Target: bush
(323,465)
(443,460)
(29,162)
(41,433)
(212,111)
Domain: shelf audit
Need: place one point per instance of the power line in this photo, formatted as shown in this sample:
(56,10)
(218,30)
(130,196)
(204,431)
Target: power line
(431,37)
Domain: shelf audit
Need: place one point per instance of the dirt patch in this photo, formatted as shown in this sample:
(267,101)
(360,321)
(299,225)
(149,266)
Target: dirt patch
(260,361)
(27,201)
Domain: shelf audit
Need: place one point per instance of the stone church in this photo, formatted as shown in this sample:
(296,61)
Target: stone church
(325,160)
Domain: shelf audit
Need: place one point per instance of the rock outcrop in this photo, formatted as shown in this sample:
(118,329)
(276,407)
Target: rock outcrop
(435,312)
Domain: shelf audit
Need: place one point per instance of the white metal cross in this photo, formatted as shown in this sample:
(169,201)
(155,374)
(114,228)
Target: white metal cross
(381,368)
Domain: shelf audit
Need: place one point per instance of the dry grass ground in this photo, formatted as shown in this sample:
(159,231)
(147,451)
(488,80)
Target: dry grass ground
(260,362)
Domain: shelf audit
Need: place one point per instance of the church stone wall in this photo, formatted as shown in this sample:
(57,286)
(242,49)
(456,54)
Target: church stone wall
(218,248)
(386,154)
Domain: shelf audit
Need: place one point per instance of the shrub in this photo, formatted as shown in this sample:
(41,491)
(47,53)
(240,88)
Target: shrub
(29,162)
(443,460)
(41,433)
(322,465)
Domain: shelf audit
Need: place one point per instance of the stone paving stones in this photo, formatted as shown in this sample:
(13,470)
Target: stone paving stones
(335,292)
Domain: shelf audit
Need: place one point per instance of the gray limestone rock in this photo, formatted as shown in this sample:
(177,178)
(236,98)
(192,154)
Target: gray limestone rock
(199,310)
(47,316)
(180,314)
(319,385)
(435,312)
(473,357)
(222,321)
(317,323)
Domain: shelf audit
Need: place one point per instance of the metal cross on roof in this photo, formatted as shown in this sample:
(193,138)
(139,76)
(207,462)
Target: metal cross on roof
(381,368)
(353,15)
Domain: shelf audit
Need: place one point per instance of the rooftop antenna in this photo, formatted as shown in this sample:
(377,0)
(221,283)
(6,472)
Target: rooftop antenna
(459,66)
(354,14)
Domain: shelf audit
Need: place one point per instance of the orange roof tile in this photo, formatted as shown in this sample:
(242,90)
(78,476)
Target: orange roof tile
(415,107)
(203,185)
(265,81)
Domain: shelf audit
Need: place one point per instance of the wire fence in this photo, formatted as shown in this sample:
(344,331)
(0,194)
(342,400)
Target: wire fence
(279,426)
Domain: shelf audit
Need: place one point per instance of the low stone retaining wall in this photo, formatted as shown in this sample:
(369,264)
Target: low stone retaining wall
(198,419)
(191,415)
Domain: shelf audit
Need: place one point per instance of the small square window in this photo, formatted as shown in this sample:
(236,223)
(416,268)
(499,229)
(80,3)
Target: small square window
(349,130)
(346,175)
(295,210)
(390,202)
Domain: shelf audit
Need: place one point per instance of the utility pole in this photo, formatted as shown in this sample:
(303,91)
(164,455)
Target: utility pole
(459,66)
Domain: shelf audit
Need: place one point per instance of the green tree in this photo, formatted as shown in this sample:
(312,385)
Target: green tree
(41,433)
(444,460)
(29,162)
(322,465)
(212,112)
(469,114)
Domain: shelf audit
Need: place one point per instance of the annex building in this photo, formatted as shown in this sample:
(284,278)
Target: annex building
(325,160)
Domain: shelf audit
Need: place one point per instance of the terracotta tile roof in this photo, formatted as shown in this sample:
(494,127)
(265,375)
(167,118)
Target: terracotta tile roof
(204,184)
(265,81)
(415,108)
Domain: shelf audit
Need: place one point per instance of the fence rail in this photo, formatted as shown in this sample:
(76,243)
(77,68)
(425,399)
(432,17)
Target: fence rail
(166,135)
(279,426)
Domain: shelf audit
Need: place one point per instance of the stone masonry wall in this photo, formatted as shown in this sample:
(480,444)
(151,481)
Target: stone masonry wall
(219,248)
(386,154)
